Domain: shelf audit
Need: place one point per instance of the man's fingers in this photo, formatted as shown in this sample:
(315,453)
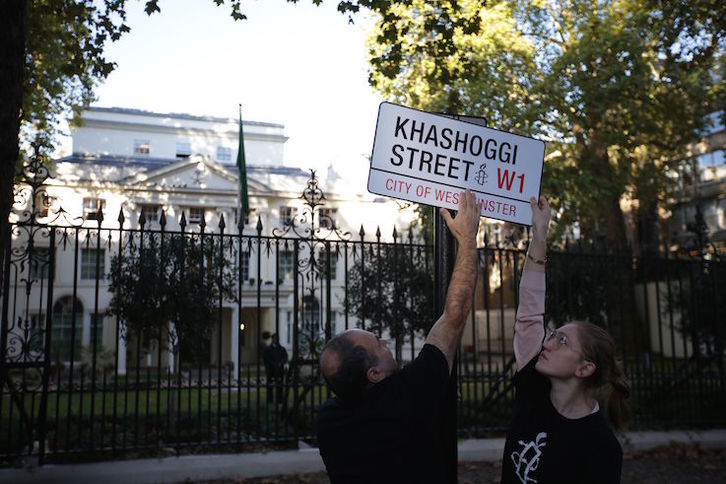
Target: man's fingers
(469,198)
(446,215)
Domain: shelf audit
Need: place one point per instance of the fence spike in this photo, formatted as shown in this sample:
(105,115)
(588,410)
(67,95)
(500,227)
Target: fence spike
(162,219)
(361,232)
(378,233)
(395,233)
(121,217)
(259,225)
(203,221)
(142,217)
(221,222)
(99,217)
(183,220)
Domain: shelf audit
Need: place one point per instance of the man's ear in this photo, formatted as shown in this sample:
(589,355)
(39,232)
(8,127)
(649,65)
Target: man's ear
(585,369)
(374,375)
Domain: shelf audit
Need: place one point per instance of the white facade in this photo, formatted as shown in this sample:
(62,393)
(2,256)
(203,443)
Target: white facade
(135,133)
(126,160)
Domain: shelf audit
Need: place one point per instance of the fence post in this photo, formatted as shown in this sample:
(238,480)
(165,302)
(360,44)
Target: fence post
(443,267)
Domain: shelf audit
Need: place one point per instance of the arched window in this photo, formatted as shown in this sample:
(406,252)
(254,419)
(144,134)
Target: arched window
(67,329)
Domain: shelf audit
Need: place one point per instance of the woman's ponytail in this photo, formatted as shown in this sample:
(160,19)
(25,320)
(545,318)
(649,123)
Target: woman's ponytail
(608,380)
(618,405)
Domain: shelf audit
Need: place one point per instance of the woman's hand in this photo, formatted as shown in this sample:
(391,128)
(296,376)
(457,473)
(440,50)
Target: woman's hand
(541,215)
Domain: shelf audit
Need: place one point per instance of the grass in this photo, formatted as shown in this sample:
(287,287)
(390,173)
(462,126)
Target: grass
(145,417)
(214,416)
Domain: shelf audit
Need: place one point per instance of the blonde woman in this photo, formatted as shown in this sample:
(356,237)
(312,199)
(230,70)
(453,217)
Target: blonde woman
(559,433)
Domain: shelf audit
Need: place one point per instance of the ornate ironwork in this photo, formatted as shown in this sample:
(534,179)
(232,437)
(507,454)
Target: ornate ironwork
(319,240)
(313,229)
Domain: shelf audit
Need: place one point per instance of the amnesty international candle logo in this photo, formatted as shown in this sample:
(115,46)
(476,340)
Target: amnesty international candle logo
(481,174)
(430,158)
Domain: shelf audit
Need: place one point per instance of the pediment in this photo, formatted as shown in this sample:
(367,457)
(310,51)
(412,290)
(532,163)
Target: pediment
(193,173)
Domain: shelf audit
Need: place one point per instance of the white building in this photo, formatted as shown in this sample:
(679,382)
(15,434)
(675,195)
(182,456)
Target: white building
(702,188)
(126,160)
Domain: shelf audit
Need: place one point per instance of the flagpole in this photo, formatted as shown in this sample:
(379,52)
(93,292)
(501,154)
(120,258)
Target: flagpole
(239,177)
(243,204)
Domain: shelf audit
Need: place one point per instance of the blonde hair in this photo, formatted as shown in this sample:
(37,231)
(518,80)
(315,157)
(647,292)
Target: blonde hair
(608,380)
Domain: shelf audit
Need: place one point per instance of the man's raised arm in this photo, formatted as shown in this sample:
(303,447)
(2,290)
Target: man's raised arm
(446,332)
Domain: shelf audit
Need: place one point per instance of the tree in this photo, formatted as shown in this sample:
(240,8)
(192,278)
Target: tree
(167,288)
(391,287)
(618,88)
(52,57)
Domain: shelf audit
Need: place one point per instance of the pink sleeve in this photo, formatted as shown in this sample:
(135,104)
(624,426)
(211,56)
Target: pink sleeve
(529,325)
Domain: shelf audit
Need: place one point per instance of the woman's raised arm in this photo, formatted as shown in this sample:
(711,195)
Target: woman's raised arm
(529,324)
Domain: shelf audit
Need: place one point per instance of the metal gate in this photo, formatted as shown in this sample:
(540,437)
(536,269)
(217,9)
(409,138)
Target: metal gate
(85,377)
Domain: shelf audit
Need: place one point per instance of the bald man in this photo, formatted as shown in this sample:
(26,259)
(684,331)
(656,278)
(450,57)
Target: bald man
(384,425)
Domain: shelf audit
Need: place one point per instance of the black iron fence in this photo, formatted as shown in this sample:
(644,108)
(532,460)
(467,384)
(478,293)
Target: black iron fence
(123,339)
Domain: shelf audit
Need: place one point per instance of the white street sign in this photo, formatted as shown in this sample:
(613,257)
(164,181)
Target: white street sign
(428,158)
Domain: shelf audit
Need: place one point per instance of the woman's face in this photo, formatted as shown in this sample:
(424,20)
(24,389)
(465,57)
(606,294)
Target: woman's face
(561,355)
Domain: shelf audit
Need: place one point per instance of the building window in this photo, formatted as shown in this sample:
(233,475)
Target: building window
(98,328)
(92,207)
(196,214)
(183,150)
(224,153)
(88,263)
(287,216)
(248,218)
(66,329)
(310,315)
(244,265)
(40,263)
(714,123)
(251,217)
(142,147)
(151,212)
(708,160)
(287,264)
(326,218)
(323,263)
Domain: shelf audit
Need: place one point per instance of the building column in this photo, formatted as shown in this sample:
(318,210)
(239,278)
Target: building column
(121,356)
(234,340)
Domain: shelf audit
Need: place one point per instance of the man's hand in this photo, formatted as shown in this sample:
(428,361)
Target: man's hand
(446,332)
(466,224)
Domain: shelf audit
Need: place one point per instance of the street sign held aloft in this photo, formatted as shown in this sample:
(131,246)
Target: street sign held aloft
(429,158)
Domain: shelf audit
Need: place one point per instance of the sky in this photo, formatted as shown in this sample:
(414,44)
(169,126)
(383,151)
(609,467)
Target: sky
(294,64)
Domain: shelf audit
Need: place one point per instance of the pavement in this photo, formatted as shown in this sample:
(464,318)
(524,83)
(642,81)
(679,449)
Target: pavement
(303,460)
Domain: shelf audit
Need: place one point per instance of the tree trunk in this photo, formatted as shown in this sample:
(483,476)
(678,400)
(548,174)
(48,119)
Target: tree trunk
(648,240)
(615,223)
(12,58)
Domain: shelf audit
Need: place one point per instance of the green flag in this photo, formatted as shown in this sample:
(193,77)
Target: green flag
(243,198)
